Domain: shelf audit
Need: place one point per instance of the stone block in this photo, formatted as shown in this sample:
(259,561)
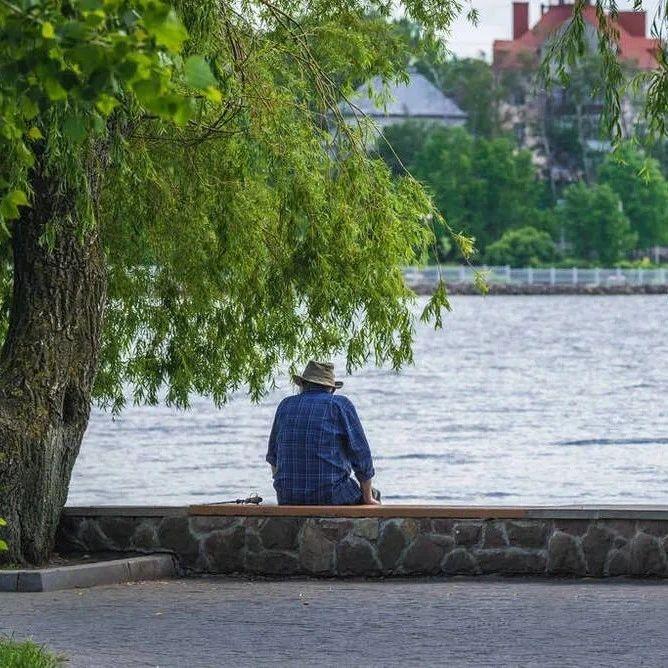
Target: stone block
(119,530)
(174,535)
(145,536)
(442,526)
(511,561)
(204,524)
(423,556)
(253,542)
(410,528)
(273,562)
(459,562)
(223,550)
(280,533)
(356,556)
(366,528)
(92,537)
(334,528)
(572,527)
(391,544)
(467,533)
(67,540)
(494,535)
(316,551)
(647,556)
(623,528)
(658,528)
(565,555)
(618,562)
(596,544)
(529,534)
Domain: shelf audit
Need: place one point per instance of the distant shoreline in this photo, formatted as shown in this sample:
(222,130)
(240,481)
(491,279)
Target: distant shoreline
(540,290)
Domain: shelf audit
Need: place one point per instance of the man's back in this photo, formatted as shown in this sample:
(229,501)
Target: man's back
(316,441)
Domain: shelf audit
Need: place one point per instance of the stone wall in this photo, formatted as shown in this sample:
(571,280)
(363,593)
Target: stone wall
(321,546)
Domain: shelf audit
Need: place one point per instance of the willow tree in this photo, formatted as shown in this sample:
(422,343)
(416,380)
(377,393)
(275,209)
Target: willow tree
(184,208)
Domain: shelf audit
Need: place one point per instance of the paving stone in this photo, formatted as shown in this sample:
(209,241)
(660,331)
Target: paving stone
(528,533)
(423,556)
(459,562)
(511,561)
(223,550)
(647,556)
(564,555)
(366,528)
(467,533)
(280,532)
(391,544)
(596,544)
(356,556)
(316,552)
(494,535)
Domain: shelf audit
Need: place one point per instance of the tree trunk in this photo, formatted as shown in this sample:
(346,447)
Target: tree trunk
(47,365)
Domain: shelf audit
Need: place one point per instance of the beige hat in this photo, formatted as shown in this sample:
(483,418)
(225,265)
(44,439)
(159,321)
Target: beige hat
(321,373)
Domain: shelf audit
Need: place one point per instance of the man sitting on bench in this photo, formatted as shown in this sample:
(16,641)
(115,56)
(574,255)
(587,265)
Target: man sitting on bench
(316,441)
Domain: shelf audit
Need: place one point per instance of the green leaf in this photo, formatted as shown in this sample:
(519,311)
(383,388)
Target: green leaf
(213,94)
(48,31)
(54,90)
(74,128)
(35,133)
(3,522)
(18,198)
(106,104)
(3,546)
(168,32)
(198,73)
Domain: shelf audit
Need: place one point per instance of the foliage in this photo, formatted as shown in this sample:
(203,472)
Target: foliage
(3,544)
(471,84)
(643,190)
(594,223)
(15,654)
(483,187)
(243,224)
(571,45)
(522,247)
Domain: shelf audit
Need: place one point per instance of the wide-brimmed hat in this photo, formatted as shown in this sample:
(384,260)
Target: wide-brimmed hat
(320,373)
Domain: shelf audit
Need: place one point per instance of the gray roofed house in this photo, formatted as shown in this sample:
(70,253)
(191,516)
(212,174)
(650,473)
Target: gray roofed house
(419,100)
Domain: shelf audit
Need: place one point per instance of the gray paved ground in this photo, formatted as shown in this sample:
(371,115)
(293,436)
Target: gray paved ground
(218,622)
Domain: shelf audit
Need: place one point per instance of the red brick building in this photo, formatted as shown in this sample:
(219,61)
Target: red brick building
(526,46)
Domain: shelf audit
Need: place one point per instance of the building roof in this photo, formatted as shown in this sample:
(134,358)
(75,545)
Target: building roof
(634,48)
(419,98)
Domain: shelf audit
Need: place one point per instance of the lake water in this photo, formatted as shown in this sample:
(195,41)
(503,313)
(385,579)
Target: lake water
(518,400)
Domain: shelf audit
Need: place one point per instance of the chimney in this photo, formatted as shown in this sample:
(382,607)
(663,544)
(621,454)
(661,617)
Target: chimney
(520,18)
(633,22)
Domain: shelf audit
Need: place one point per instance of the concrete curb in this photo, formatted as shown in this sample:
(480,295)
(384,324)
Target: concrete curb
(114,571)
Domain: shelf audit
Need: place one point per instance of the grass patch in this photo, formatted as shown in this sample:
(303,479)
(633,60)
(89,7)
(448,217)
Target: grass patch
(26,654)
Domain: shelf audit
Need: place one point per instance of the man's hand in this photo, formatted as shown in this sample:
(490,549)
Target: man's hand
(367,494)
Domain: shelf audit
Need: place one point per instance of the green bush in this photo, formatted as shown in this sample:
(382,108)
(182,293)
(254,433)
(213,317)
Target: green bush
(14,654)
(523,247)
(594,223)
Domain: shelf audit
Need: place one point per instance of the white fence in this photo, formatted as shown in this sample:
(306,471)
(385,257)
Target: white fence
(530,276)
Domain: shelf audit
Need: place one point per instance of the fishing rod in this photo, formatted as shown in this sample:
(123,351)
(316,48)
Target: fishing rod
(254,499)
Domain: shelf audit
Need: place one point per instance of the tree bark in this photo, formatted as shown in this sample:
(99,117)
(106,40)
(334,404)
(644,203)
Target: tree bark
(47,364)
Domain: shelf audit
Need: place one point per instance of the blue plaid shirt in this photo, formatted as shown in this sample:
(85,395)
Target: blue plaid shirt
(316,441)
